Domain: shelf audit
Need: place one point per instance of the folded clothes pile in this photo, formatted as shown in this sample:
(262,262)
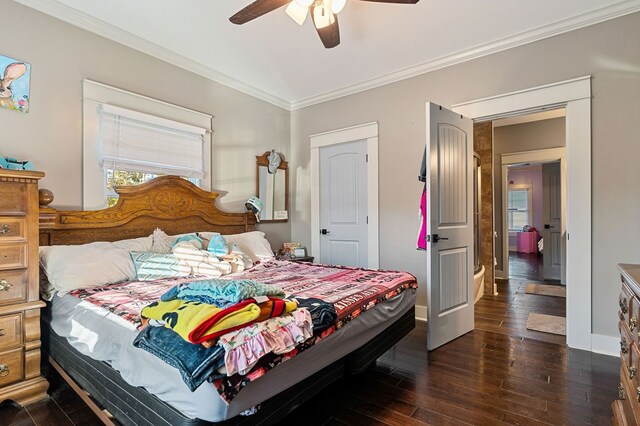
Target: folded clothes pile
(213,328)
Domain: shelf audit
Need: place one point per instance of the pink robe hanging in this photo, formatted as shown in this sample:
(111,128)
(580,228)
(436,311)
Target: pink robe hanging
(422,235)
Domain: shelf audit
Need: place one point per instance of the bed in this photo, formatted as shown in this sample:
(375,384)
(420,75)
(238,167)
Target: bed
(91,345)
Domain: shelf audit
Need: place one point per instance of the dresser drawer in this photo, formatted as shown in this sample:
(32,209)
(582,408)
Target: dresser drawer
(11,366)
(625,345)
(13,229)
(13,256)
(10,331)
(13,198)
(13,286)
(625,302)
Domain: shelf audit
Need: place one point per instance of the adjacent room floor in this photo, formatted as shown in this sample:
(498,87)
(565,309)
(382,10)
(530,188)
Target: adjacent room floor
(500,373)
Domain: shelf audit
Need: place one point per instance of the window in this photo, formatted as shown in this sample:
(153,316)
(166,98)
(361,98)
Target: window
(138,147)
(137,140)
(519,207)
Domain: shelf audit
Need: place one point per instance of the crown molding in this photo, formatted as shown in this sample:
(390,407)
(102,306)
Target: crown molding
(96,26)
(556,28)
(111,32)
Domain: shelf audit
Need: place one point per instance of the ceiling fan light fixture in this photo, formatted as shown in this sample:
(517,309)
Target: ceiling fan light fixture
(322,14)
(296,12)
(337,5)
(304,3)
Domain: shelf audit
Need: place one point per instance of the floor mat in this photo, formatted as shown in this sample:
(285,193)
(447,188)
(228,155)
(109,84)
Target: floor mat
(547,323)
(547,290)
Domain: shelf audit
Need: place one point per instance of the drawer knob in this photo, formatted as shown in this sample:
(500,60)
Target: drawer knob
(4,370)
(632,372)
(2,332)
(633,321)
(5,285)
(623,346)
(620,391)
(4,229)
(624,306)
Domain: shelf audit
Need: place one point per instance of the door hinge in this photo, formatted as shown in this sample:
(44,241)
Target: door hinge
(366,157)
(367,220)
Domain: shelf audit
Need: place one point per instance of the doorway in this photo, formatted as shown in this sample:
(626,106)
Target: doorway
(534,218)
(575,96)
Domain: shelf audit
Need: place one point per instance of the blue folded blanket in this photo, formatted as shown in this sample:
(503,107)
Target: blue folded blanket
(221,292)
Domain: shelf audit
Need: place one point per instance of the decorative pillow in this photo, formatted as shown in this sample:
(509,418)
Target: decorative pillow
(253,244)
(154,266)
(88,265)
(218,245)
(161,242)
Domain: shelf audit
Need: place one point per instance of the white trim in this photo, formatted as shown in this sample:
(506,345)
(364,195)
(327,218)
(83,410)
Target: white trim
(521,119)
(535,99)
(96,26)
(606,345)
(560,27)
(368,132)
(535,156)
(347,134)
(575,95)
(421,313)
(86,22)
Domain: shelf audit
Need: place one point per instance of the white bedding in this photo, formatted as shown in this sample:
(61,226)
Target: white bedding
(103,336)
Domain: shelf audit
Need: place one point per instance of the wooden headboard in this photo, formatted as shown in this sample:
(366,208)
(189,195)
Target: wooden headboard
(170,203)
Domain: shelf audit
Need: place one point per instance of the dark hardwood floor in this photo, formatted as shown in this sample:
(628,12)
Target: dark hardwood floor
(500,373)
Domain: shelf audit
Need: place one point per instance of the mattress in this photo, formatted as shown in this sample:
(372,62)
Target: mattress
(101,335)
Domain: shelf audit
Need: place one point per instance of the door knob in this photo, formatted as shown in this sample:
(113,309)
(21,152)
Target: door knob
(435,238)
(324,232)
(547,226)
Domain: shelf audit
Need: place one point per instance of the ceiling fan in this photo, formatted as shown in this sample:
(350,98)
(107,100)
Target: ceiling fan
(323,13)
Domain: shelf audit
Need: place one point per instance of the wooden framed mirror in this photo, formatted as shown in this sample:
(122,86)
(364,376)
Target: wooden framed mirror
(272,189)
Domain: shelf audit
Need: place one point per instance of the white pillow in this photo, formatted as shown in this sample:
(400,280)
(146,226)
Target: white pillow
(253,244)
(96,264)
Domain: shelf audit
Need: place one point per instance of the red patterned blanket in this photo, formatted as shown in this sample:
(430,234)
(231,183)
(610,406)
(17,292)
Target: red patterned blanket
(351,290)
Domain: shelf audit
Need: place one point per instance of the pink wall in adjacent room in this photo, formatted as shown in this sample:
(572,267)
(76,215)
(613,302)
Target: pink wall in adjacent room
(530,175)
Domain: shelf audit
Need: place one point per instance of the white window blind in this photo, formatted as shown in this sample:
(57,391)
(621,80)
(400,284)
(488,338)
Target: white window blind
(137,142)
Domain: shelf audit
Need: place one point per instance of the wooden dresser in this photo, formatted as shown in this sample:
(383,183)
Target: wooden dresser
(20,378)
(626,409)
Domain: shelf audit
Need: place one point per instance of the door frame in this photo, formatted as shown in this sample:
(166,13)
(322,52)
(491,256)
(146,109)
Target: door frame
(575,96)
(368,132)
(535,156)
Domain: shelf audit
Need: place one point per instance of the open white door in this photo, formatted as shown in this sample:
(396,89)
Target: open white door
(552,216)
(450,225)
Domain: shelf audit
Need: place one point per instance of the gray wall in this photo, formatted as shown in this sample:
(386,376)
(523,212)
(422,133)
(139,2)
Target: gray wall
(516,138)
(50,135)
(604,51)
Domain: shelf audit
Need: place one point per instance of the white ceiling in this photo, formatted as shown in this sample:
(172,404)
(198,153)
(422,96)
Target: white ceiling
(275,59)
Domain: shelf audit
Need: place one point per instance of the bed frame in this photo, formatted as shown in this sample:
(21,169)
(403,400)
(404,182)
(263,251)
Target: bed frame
(176,206)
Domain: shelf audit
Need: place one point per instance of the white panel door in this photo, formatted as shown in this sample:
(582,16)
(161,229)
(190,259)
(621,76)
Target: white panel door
(553,252)
(343,204)
(450,222)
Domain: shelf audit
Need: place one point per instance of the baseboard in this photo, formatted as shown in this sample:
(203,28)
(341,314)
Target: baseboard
(421,313)
(605,345)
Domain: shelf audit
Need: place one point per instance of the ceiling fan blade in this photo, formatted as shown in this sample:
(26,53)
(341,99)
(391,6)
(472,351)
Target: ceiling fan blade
(394,1)
(330,34)
(256,10)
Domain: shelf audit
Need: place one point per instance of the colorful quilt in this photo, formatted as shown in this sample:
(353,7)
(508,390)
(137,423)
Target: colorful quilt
(351,290)
(127,299)
(348,288)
